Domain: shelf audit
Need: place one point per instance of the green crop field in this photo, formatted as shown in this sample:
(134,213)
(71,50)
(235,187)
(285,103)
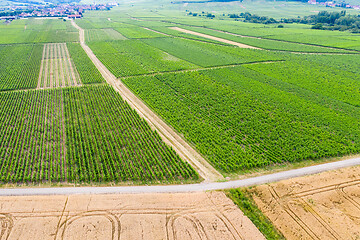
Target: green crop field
(207,55)
(38,31)
(85,134)
(19,66)
(238,120)
(133,57)
(87,70)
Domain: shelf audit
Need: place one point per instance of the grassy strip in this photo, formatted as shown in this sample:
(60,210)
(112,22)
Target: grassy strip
(243,199)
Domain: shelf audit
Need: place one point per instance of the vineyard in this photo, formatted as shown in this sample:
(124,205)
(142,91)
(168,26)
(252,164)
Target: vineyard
(107,34)
(38,31)
(84,134)
(238,120)
(19,66)
(207,55)
(57,68)
(137,32)
(84,66)
(133,57)
(268,43)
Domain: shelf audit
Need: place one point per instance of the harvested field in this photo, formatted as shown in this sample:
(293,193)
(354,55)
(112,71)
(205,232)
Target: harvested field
(147,216)
(322,206)
(57,68)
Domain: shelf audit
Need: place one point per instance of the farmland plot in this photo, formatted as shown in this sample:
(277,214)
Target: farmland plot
(19,66)
(82,134)
(322,206)
(240,119)
(57,68)
(106,34)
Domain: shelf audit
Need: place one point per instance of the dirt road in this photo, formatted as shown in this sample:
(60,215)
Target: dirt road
(213,38)
(168,135)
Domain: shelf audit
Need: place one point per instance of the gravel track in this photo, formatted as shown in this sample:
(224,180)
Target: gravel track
(186,187)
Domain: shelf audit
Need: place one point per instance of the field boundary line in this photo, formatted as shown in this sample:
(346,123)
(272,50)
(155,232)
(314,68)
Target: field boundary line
(200,187)
(167,134)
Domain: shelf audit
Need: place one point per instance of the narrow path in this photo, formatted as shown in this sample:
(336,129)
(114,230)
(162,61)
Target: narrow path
(167,134)
(184,188)
(213,38)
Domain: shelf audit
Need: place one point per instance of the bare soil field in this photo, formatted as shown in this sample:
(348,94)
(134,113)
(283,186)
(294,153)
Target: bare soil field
(57,68)
(213,38)
(322,206)
(138,216)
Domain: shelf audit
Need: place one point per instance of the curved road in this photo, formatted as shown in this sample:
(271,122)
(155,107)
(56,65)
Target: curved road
(184,188)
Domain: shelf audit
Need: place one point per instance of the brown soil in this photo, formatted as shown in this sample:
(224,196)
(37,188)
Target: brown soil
(167,134)
(322,206)
(138,216)
(213,38)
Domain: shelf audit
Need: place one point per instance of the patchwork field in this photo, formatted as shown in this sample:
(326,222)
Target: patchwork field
(323,206)
(185,216)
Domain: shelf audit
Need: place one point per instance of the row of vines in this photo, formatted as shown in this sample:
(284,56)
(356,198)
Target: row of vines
(239,123)
(19,66)
(84,134)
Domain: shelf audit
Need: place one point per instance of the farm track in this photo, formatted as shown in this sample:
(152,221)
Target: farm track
(168,135)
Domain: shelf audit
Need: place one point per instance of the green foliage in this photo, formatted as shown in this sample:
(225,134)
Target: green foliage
(19,66)
(107,34)
(243,199)
(138,32)
(133,57)
(38,31)
(207,55)
(240,119)
(84,134)
(85,67)
(267,43)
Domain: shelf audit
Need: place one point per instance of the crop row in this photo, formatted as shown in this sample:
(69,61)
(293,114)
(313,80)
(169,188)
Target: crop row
(208,55)
(238,122)
(85,67)
(83,134)
(133,57)
(19,66)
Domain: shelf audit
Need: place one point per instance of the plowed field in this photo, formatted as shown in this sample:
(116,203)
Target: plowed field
(323,206)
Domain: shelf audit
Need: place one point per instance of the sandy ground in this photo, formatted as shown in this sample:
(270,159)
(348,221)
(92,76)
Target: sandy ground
(138,216)
(213,38)
(322,206)
(57,68)
(167,134)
